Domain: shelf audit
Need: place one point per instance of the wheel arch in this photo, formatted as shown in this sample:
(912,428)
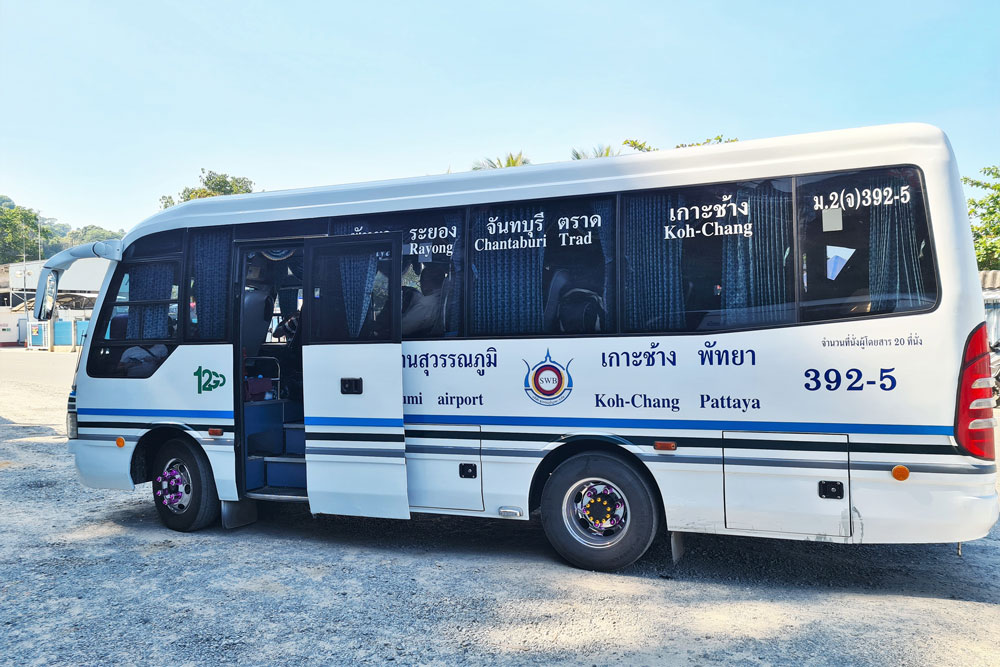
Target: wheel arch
(580,444)
(150,442)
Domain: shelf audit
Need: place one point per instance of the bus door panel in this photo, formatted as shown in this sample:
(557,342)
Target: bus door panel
(443,466)
(352,377)
(787,483)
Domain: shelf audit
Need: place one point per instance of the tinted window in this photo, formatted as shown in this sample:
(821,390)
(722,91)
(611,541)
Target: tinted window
(708,257)
(865,244)
(349,298)
(137,329)
(208,284)
(543,268)
(432,267)
(156,245)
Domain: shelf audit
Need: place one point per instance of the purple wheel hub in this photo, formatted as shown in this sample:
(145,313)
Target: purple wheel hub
(172,487)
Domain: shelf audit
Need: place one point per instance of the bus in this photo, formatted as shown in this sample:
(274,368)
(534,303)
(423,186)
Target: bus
(780,338)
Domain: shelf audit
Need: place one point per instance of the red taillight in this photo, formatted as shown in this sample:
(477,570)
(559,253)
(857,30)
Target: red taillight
(974,421)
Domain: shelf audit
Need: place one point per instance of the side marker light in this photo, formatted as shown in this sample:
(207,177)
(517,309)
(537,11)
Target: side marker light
(215,432)
(901,473)
(664,445)
(120,441)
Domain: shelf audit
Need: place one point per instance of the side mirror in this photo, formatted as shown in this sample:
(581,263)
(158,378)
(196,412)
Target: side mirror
(45,295)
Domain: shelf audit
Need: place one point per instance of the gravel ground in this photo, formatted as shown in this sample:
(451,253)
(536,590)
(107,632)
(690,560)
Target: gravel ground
(91,577)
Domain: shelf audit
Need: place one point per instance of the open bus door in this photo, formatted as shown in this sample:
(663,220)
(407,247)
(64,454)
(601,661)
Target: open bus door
(352,377)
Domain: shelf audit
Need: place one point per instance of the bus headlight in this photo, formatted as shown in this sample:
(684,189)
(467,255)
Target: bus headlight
(71,429)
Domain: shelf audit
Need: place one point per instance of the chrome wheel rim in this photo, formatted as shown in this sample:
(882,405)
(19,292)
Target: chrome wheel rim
(173,486)
(596,513)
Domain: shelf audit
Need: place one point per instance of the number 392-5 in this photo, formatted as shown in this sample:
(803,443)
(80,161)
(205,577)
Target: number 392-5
(851,380)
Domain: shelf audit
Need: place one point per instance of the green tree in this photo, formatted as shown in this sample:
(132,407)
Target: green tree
(985,214)
(509,160)
(643,147)
(20,233)
(213,184)
(90,234)
(600,150)
(6,202)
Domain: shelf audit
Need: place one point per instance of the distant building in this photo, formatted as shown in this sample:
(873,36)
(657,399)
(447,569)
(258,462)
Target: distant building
(78,289)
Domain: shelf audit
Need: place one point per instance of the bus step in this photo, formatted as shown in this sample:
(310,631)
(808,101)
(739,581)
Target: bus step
(281,494)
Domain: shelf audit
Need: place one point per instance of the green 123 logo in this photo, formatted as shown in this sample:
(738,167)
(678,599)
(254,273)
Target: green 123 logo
(209,380)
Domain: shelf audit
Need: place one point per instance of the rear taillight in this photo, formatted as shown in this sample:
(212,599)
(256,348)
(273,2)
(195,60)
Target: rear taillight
(974,422)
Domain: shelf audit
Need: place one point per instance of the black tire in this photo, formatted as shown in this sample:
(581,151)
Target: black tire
(643,517)
(202,502)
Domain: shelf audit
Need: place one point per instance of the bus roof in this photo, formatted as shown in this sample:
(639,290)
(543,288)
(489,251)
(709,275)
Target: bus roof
(905,143)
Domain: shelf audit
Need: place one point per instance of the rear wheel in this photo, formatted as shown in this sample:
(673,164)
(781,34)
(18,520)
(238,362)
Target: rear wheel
(599,512)
(183,487)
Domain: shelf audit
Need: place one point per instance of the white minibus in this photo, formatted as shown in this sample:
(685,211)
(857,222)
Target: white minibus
(780,338)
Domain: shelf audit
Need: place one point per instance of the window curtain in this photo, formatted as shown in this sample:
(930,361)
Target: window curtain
(654,288)
(606,236)
(895,281)
(453,317)
(210,273)
(755,284)
(507,298)
(149,282)
(357,276)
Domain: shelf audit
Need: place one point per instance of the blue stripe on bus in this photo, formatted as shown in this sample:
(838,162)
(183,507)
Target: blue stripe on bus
(693,424)
(221,414)
(352,421)
(782,427)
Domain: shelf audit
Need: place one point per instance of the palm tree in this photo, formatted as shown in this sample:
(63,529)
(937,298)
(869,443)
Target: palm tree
(510,160)
(598,151)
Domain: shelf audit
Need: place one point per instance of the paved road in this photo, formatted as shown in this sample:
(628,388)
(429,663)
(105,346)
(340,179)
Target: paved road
(90,577)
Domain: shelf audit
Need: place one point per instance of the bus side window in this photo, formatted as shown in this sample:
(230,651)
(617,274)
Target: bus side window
(544,268)
(432,268)
(865,244)
(138,325)
(708,257)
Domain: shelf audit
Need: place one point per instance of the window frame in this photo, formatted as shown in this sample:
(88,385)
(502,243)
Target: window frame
(103,321)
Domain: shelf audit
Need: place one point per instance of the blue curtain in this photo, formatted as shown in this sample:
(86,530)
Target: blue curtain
(606,236)
(895,281)
(357,276)
(654,287)
(453,317)
(148,282)
(755,280)
(210,274)
(507,297)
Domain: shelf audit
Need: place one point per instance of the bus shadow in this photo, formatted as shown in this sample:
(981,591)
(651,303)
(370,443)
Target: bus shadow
(924,570)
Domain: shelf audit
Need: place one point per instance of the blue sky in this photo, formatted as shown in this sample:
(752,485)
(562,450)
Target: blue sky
(109,105)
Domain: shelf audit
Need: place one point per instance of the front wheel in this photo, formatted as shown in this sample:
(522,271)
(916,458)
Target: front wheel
(599,512)
(184,487)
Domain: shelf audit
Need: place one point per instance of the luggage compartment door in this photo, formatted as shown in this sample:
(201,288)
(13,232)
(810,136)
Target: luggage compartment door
(787,483)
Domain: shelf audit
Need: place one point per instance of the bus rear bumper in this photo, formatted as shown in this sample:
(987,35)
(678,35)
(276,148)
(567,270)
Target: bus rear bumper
(101,464)
(946,508)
